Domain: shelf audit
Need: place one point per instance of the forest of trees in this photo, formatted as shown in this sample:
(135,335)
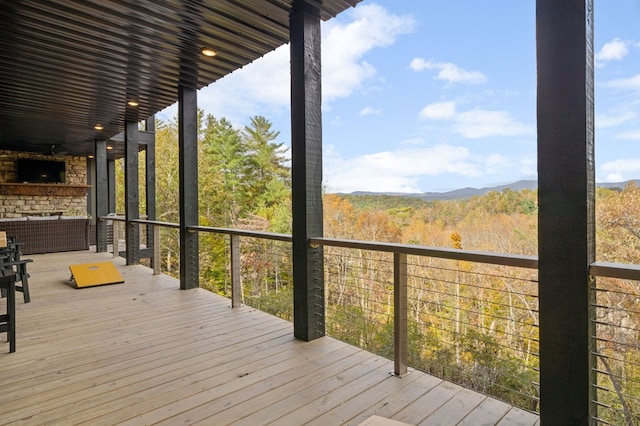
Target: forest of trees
(471,323)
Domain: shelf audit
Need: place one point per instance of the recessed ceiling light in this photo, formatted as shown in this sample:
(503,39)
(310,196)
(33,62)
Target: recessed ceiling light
(208,52)
(98,127)
(90,156)
(109,147)
(133,103)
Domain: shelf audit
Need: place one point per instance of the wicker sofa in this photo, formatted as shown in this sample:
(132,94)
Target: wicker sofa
(48,234)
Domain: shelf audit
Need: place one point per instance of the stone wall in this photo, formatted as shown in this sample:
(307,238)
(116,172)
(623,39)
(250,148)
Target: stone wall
(29,205)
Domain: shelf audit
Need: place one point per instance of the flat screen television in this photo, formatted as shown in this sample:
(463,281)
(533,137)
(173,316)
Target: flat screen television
(40,171)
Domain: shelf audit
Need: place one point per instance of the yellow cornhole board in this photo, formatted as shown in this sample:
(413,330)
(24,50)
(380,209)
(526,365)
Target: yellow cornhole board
(92,274)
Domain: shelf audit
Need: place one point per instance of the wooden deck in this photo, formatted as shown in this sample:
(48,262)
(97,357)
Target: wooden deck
(145,352)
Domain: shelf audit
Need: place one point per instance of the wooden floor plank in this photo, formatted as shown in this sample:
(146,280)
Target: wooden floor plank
(351,369)
(194,377)
(424,406)
(265,406)
(274,382)
(102,384)
(307,413)
(489,412)
(518,417)
(112,353)
(359,403)
(146,352)
(395,403)
(131,398)
(455,409)
(263,370)
(105,345)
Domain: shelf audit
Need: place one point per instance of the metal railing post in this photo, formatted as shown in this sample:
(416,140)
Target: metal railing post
(236,281)
(116,240)
(157,262)
(400,334)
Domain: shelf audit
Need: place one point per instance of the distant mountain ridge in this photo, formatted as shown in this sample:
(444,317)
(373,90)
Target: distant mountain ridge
(473,192)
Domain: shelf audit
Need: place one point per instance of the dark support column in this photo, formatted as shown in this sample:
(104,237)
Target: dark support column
(101,190)
(111,181)
(91,181)
(306,170)
(188,158)
(150,180)
(132,192)
(566,217)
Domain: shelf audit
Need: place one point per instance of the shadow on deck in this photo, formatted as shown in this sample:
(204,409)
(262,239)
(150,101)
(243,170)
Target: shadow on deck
(145,352)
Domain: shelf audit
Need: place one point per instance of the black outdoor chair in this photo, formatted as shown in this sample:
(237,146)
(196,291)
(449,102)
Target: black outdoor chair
(10,260)
(8,320)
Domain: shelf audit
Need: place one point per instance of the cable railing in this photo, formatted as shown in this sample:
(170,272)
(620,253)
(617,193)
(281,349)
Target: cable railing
(259,267)
(617,343)
(468,317)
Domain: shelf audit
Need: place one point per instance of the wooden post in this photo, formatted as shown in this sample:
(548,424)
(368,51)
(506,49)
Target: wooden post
(400,333)
(101,193)
(132,193)
(306,172)
(236,277)
(566,192)
(188,170)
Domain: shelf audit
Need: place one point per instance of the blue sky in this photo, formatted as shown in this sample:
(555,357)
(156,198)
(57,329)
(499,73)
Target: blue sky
(428,95)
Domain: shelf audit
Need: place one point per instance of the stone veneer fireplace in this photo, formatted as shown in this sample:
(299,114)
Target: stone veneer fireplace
(19,199)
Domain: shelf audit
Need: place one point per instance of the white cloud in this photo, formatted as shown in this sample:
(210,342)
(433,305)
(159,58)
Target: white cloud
(401,170)
(612,120)
(620,170)
(528,166)
(262,87)
(631,83)
(412,141)
(370,111)
(343,69)
(494,163)
(448,71)
(615,50)
(475,124)
(336,121)
(439,111)
(613,177)
(258,88)
(630,135)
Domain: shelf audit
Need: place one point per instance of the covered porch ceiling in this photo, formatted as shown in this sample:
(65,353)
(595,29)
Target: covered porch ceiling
(68,66)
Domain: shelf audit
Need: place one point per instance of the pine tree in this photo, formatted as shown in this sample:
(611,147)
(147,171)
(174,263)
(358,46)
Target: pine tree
(267,175)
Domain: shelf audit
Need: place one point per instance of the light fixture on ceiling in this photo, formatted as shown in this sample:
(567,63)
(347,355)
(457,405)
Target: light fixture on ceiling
(208,52)
(109,147)
(90,156)
(98,127)
(133,103)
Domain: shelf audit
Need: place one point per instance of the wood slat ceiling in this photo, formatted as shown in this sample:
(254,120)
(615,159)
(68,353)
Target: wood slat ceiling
(67,65)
